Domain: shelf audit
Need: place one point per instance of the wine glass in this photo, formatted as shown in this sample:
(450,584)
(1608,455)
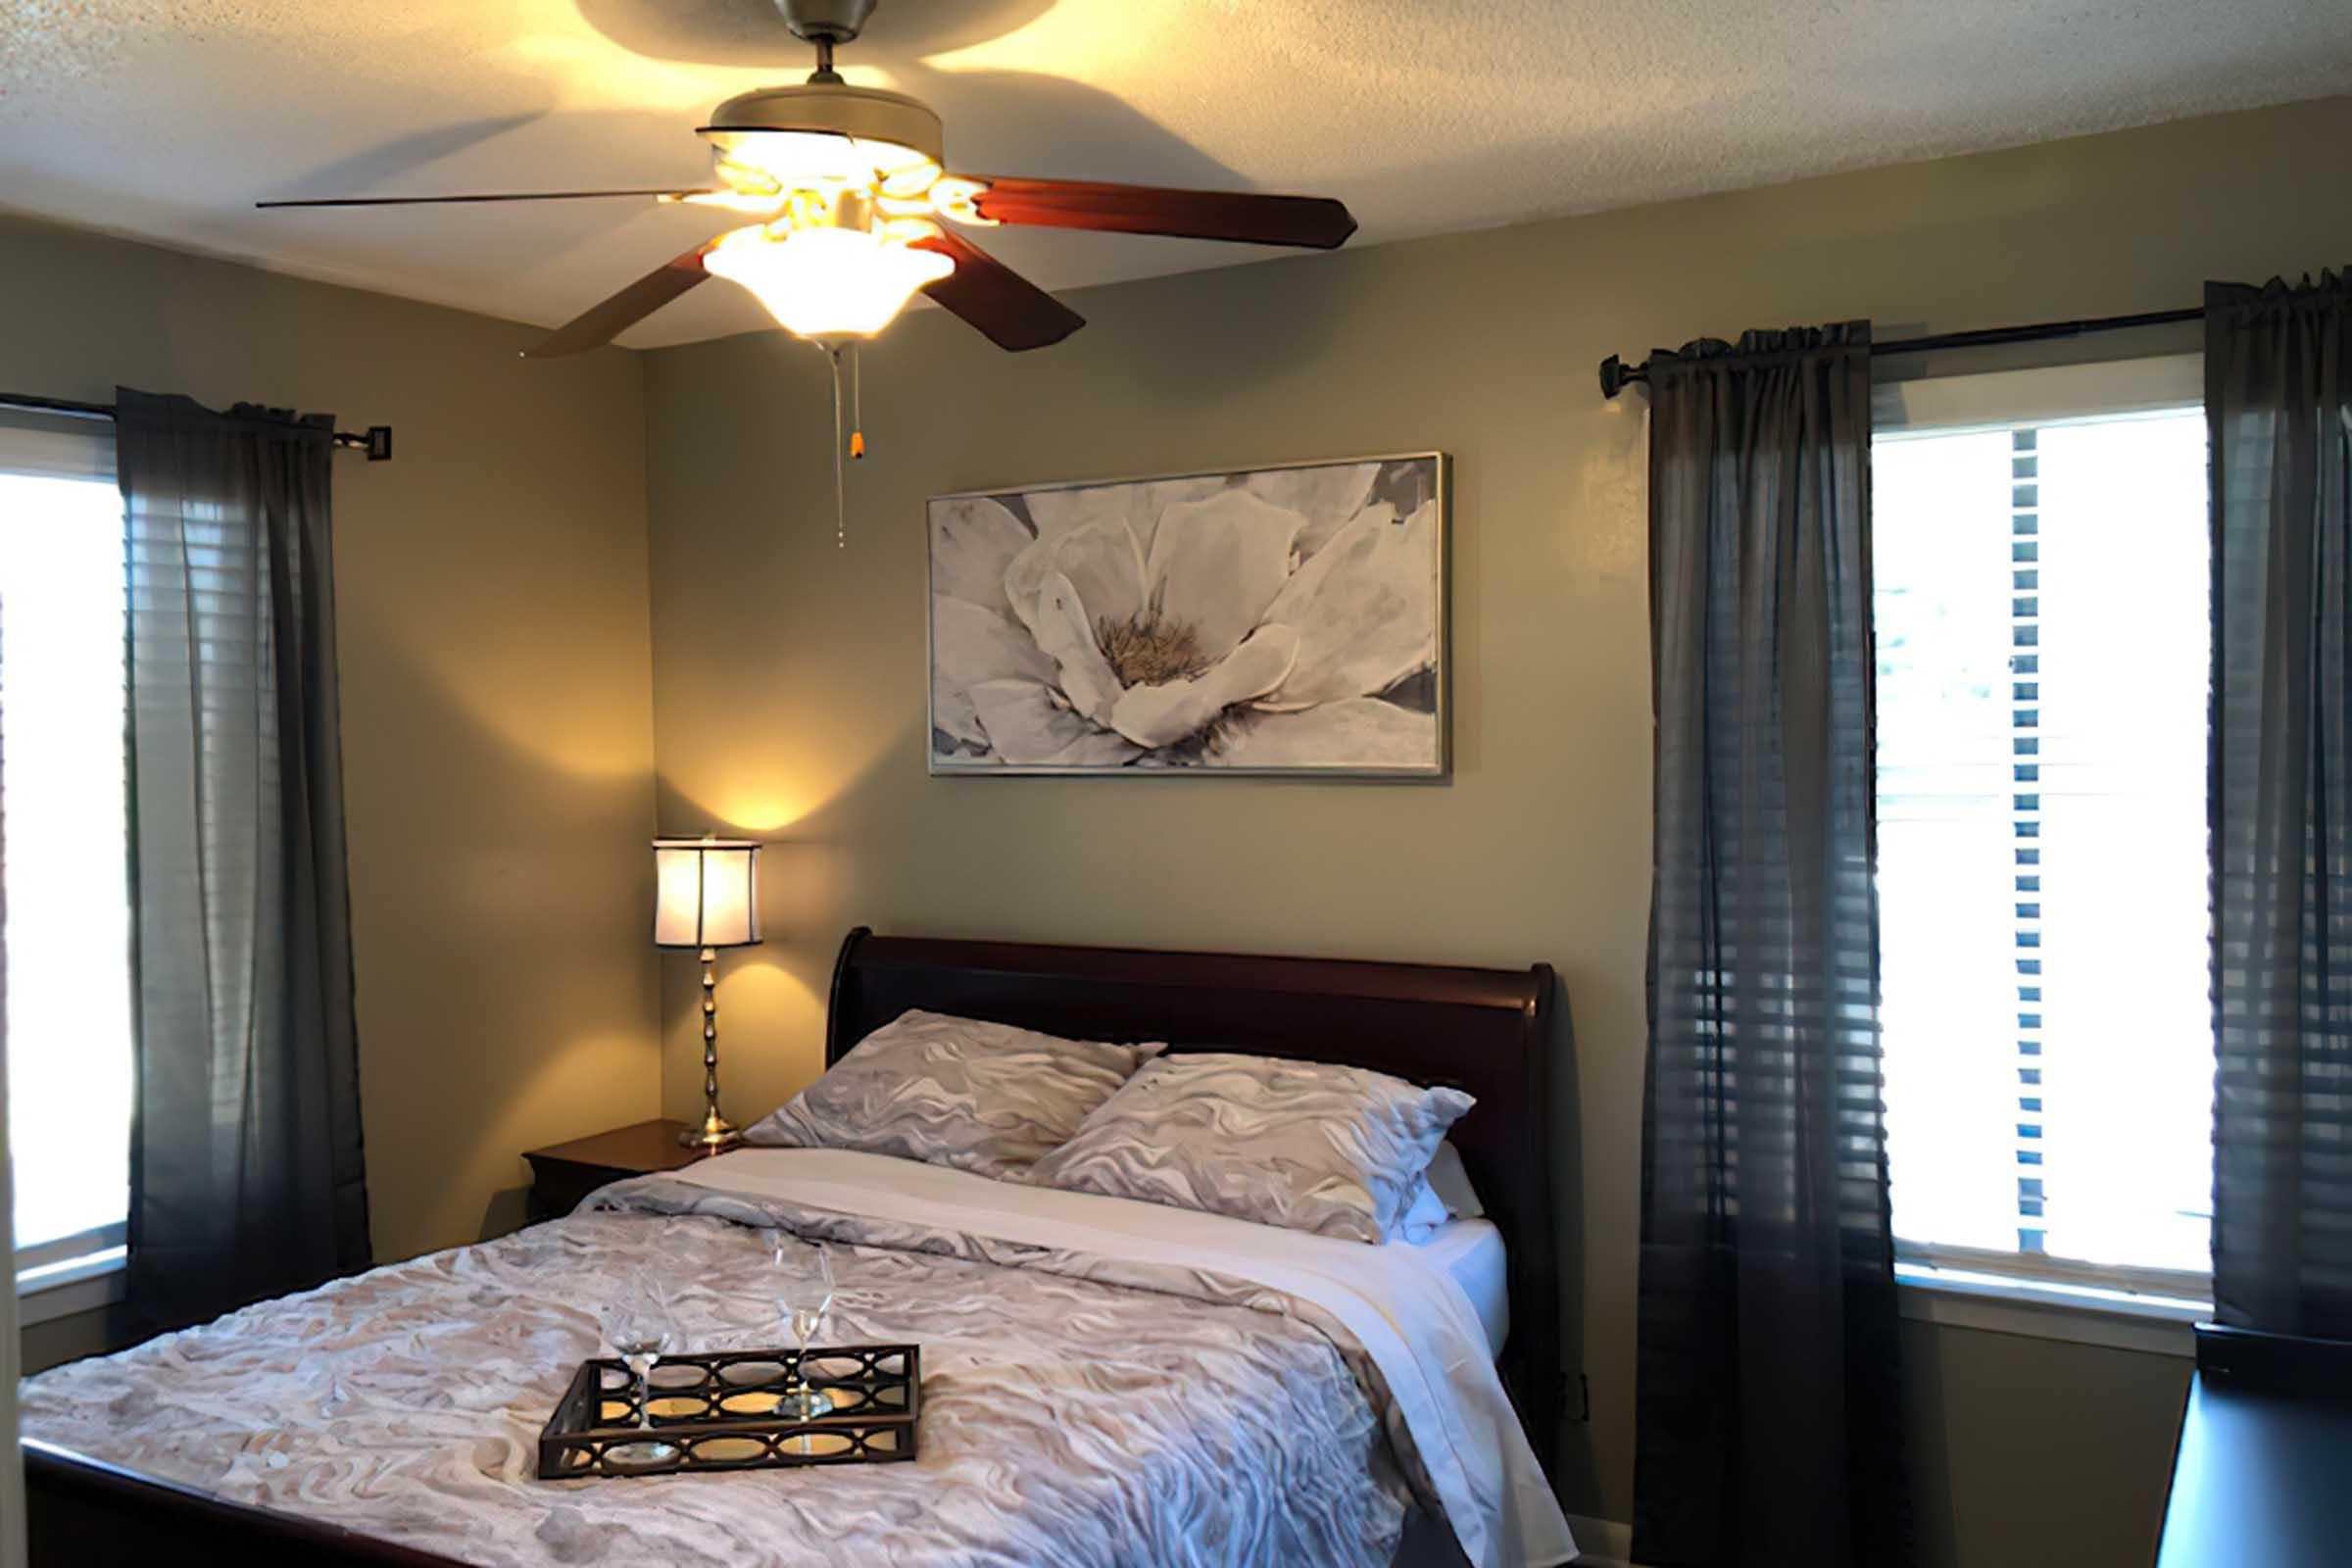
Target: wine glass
(802,1303)
(639,1331)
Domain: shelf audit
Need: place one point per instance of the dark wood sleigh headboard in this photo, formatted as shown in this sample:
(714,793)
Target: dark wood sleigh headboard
(1486,1031)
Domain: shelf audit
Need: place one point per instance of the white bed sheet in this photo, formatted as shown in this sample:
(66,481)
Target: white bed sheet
(1472,1254)
(1413,1320)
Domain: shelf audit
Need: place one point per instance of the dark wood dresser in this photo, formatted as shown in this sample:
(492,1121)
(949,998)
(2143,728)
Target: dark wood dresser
(2262,1474)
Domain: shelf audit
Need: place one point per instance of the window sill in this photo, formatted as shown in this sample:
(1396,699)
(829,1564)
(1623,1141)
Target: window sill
(74,1285)
(2151,1325)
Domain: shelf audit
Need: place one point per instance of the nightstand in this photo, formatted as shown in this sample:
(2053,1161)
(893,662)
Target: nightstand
(561,1174)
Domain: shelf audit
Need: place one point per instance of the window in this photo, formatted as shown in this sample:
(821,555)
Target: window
(62,789)
(2041,566)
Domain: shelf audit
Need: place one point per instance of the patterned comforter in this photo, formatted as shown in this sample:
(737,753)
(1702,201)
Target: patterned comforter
(1077,1410)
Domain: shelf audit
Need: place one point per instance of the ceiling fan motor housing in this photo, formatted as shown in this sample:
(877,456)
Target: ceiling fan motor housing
(835,108)
(826,21)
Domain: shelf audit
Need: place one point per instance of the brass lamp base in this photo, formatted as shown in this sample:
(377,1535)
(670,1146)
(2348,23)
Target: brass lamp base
(714,1134)
(717,1131)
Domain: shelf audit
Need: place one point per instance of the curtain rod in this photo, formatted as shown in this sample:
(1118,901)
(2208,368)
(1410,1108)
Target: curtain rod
(1616,376)
(376,441)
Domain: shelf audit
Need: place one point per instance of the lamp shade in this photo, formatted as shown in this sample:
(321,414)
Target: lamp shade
(705,892)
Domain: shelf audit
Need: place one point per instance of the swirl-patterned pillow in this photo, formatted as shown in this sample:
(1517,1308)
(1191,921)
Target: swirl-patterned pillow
(1304,1144)
(980,1097)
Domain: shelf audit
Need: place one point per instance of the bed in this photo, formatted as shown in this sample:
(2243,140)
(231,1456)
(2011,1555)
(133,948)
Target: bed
(173,1450)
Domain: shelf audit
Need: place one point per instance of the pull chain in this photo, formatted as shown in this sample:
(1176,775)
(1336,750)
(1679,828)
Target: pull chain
(849,430)
(841,512)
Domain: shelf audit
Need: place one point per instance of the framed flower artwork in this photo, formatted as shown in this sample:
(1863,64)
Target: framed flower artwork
(1272,620)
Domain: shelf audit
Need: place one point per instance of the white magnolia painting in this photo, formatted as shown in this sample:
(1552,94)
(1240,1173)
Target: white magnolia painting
(1274,620)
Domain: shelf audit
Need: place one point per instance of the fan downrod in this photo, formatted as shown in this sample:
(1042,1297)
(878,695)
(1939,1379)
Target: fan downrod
(825,22)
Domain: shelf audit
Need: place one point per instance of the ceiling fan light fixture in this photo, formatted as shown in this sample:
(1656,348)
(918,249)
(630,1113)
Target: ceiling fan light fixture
(759,162)
(821,135)
(957,196)
(827,285)
(853,212)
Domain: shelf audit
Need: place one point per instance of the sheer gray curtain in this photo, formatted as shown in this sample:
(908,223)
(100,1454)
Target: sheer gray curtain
(1769,1412)
(2278,410)
(246,1174)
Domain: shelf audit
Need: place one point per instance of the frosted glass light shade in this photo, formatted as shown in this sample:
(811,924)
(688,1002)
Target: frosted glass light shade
(827,283)
(705,892)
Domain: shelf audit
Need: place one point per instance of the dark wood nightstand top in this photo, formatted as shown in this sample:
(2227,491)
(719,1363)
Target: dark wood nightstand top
(640,1147)
(561,1174)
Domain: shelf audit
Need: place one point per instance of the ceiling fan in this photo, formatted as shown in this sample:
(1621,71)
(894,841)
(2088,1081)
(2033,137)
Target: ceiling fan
(846,188)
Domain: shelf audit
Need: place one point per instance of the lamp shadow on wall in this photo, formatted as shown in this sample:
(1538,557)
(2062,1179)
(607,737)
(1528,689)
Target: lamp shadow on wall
(796,816)
(493,986)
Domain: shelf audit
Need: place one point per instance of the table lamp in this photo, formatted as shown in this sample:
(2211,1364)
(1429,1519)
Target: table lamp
(706,897)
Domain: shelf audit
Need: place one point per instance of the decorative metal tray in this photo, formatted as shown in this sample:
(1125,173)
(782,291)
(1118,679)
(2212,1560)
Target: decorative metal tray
(716,1411)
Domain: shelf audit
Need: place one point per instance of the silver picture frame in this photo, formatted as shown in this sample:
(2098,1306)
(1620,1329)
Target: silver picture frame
(951,753)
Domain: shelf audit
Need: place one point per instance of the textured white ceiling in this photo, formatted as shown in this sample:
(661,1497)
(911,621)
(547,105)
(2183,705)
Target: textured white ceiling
(166,119)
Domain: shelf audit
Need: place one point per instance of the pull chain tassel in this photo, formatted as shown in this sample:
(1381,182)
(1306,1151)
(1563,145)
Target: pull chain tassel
(857,408)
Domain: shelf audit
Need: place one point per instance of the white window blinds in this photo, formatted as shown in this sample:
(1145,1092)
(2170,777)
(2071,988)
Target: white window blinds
(62,784)
(2044,663)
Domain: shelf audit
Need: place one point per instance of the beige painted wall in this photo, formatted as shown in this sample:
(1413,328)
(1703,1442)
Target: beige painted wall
(497,735)
(2035,1453)
(789,677)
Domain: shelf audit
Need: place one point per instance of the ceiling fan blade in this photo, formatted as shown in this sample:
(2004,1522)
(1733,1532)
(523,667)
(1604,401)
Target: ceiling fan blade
(601,323)
(1014,313)
(503,196)
(1314,221)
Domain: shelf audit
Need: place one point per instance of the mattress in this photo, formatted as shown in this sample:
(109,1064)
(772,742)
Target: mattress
(1470,1251)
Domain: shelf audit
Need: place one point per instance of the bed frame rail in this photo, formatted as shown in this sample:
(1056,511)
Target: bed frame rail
(81,1512)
